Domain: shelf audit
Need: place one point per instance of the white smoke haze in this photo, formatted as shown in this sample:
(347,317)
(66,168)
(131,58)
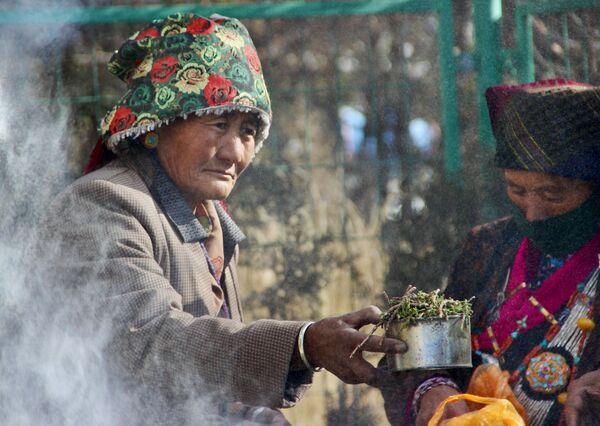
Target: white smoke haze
(31,131)
(52,367)
(46,376)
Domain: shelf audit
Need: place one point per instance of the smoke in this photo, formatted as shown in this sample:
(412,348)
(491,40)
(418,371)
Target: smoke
(57,337)
(31,132)
(45,375)
(52,366)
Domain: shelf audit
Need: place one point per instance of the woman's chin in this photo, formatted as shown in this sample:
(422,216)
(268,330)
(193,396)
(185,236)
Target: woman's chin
(217,192)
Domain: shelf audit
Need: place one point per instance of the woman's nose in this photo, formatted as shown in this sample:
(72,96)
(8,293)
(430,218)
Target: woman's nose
(534,211)
(232,148)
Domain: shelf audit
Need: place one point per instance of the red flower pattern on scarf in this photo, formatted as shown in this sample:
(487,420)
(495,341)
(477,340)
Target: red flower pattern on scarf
(219,90)
(163,68)
(122,120)
(148,33)
(201,26)
(252,59)
(159,89)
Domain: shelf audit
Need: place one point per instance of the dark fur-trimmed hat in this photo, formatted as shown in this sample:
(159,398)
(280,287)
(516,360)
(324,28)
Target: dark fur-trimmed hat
(550,126)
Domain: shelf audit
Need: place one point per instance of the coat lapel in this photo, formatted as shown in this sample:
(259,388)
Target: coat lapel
(192,234)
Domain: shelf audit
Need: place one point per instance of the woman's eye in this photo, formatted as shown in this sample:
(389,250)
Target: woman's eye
(220,124)
(250,131)
(516,191)
(552,196)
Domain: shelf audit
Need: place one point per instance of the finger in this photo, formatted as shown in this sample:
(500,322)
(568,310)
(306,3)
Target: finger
(455,409)
(381,378)
(365,373)
(385,345)
(571,417)
(572,407)
(368,315)
(588,384)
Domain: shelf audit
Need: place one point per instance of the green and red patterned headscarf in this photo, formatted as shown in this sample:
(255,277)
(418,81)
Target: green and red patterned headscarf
(549,126)
(183,65)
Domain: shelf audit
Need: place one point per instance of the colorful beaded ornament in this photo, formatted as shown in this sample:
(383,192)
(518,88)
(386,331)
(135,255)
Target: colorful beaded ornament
(548,373)
(544,381)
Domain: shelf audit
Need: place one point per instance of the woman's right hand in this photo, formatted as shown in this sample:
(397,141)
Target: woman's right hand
(330,342)
(433,398)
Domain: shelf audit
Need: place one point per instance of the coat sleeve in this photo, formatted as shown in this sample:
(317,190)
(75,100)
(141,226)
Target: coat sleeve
(98,241)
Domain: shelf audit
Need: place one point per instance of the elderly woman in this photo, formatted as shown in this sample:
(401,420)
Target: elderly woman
(142,246)
(534,275)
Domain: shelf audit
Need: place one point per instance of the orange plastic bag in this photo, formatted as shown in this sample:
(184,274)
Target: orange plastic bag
(497,412)
(489,381)
(488,386)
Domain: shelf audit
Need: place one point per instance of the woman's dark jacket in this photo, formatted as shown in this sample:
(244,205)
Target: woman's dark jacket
(479,271)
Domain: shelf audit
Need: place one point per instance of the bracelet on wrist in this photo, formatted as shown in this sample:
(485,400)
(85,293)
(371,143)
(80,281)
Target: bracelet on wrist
(426,386)
(303,357)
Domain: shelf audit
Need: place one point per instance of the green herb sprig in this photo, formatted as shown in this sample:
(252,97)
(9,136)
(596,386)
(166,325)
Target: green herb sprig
(416,304)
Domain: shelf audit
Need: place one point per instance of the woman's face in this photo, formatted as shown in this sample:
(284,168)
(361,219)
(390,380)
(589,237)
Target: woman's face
(205,155)
(540,195)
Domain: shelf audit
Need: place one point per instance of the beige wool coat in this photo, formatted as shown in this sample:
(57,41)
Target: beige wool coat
(127,261)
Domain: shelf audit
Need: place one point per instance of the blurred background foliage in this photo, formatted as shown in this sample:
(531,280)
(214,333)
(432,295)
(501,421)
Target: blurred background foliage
(349,198)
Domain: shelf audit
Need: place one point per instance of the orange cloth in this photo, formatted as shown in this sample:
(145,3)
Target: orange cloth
(496,412)
(488,386)
(489,381)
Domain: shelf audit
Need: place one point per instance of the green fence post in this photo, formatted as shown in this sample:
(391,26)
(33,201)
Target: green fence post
(524,13)
(487,15)
(486,19)
(452,158)
(524,29)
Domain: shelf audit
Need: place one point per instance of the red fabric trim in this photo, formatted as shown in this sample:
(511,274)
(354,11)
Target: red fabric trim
(554,292)
(97,157)
(498,96)
(225,206)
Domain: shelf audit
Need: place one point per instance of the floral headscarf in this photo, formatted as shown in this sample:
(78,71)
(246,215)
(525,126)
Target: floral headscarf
(181,65)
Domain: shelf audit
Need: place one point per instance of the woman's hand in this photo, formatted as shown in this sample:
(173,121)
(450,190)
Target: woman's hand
(244,415)
(329,342)
(433,398)
(265,416)
(582,394)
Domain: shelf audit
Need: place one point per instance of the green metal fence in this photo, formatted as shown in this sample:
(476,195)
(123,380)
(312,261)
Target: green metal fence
(568,25)
(366,117)
(366,102)
(267,10)
(99,96)
(547,39)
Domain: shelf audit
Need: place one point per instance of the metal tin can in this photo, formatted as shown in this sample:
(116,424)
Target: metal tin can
(433,343)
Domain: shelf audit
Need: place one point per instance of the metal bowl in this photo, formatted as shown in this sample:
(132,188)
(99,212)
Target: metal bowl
(433,343)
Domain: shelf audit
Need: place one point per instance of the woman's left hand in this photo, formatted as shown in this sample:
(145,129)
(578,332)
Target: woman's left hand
(433,398)
(245,415)
(579,394)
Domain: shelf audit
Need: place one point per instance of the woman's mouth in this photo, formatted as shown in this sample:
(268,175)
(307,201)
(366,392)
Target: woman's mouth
(223,174)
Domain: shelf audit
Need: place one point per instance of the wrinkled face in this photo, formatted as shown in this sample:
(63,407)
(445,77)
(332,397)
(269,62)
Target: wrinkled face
(204,156)
(540,195)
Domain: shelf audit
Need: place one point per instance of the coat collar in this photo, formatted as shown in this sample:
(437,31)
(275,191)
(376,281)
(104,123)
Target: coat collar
(181,216)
